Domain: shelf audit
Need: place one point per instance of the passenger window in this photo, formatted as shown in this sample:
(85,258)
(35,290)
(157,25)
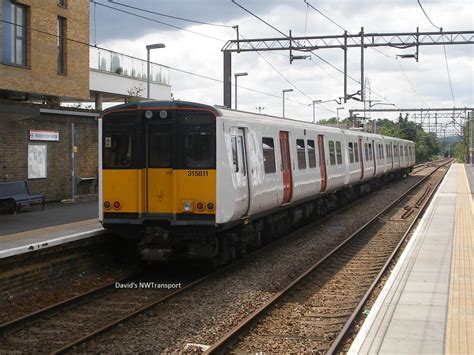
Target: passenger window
(300,152)
(339,152)
(117,150)
(235,160)
(240,141)
(311,154)
(268,155)
(199,149)
(351,152)
(332,153)
(366,146)
(356,152)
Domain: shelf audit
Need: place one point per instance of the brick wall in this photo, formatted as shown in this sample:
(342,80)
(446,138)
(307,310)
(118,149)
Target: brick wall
(40,76)
(14,140)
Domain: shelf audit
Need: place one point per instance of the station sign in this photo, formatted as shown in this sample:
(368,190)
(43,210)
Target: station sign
(41,135)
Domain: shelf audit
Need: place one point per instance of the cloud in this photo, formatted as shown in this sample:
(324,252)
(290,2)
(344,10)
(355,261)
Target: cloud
(314,78)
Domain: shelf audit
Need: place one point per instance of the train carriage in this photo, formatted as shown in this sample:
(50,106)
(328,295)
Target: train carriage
(195,181)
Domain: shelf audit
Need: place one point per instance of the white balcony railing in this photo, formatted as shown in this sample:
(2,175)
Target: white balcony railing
(108,61)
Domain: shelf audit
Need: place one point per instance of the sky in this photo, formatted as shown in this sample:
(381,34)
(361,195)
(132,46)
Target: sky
(401,82)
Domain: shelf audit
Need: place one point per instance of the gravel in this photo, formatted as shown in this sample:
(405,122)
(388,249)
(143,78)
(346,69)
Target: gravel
(212,308)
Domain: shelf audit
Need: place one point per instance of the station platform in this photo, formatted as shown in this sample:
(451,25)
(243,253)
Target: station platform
(35,229)
(427,303)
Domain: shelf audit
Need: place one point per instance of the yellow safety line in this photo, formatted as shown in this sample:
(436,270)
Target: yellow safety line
(460,327)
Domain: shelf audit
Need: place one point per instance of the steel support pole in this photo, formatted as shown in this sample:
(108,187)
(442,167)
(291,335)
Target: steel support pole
(235,92)
(345,66)
(314,113)
(148,73)
(362,94)
(227,79)
(73,173)
(283,104)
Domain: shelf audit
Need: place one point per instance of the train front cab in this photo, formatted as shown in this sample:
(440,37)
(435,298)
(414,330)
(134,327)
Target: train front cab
(158,175)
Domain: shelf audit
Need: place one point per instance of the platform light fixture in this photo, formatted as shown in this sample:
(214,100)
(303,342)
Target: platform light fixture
(236,75)
(148,49)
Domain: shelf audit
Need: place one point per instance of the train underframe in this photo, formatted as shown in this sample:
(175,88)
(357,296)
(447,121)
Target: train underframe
(158,243)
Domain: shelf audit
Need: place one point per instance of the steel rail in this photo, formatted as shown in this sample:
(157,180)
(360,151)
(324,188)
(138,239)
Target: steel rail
(33,316)
(221,345)
(426,198)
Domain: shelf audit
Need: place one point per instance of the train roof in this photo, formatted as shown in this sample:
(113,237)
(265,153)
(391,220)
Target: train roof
(254,117)
(226,112)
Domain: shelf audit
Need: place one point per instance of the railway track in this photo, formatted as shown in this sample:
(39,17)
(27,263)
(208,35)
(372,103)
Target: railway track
(63,326)
(60,327)
(315,312)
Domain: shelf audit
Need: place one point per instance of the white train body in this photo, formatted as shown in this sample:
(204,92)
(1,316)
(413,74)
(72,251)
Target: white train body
(245,190)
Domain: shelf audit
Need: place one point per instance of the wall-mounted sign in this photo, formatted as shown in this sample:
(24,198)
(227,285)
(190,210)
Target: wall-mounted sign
(41,135)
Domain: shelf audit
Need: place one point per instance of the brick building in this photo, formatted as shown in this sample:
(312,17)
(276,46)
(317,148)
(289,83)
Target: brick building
(40,67)
(37,60)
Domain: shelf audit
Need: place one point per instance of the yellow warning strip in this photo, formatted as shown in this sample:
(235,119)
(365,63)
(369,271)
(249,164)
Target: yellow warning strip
(460,327)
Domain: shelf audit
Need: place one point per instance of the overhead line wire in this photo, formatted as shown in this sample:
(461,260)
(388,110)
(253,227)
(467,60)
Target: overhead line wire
(445,54)
(157,21)
(311,51)
(169,16)
(166,66)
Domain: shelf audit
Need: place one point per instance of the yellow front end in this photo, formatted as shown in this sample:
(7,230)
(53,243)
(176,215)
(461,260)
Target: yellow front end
(169,193)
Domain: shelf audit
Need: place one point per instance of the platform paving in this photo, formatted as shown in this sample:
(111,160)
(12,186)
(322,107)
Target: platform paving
(34,229)
(426,304)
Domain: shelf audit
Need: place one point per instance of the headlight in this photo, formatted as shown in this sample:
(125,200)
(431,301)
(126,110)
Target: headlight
(188,206)
(210,206)
(200,206)
(106,205)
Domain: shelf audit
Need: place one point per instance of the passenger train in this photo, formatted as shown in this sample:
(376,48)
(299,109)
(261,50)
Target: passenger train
(187,180)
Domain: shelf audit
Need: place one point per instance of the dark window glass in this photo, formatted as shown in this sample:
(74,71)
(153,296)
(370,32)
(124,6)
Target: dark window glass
(339,152)
(199,149)
(61,44)
(159,146)
(351,152)
(197,145)
(300,151)
(371,155)
(356,152)
(117,149)
(240,141)
(235,161)
(268,155)
(332,153)
(311,153)
(14,33)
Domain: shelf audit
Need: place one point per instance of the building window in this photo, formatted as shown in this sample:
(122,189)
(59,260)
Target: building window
(61,44)
(300,151)
(268,155)
(311,153)
(14,33)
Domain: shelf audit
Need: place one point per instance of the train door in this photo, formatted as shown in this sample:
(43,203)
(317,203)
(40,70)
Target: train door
(286,167)
(239,157)
(374,156)
(158,172)
(322,162)
(361,155)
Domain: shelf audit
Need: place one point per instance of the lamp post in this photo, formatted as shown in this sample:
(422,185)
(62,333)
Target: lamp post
(235,76)
(314,110)
(283,93)
(337,113)
(148,48)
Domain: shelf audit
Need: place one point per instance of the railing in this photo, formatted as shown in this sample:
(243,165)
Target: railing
(121,64)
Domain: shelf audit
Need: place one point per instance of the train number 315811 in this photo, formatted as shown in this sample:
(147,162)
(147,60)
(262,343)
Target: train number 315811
(198,173)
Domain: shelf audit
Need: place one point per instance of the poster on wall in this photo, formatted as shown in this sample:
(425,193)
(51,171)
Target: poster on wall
(37,159)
